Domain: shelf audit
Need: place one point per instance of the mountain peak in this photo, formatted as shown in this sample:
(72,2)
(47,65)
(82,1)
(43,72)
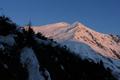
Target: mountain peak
(79,26)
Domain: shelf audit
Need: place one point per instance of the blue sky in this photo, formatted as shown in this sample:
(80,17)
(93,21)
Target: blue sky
(101,15)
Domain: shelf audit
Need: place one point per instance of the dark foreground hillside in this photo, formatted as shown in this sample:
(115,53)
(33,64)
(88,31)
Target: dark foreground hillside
(22,52)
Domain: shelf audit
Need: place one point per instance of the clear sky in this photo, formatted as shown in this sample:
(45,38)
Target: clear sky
(101,15)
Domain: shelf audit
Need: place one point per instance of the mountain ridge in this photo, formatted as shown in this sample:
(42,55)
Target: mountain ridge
(80,33)
(94,45)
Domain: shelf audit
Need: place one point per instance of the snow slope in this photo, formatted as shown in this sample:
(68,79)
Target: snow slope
(86,42)
(29,59)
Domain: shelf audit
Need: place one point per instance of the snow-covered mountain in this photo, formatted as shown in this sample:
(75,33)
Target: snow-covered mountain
(26,55)
(85,42)
(103,44)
